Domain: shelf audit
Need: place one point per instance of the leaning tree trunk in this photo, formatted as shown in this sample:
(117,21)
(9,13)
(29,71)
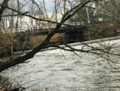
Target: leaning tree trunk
(45,43)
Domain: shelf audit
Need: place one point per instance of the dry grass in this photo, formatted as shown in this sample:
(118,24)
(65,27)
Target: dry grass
(4,40)
(36,40)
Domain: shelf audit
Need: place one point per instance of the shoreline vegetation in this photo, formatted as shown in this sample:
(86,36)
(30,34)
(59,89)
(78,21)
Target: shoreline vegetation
(105,30)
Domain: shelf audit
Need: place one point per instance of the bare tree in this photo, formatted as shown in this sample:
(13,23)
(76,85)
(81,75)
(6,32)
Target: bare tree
(11,24)
(109,8)
(5,3)
(104,50)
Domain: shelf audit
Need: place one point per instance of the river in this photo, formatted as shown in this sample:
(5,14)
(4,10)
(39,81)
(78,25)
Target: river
(59,70)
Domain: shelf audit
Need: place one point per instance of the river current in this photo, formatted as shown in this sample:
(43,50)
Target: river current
(59,70)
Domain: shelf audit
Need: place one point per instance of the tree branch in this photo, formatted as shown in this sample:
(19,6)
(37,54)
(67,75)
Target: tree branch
(5,3)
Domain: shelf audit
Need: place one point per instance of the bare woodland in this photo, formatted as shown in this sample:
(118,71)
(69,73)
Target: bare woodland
(11,10)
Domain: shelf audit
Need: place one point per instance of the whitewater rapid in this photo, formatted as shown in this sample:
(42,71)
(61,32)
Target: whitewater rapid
(59,70)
